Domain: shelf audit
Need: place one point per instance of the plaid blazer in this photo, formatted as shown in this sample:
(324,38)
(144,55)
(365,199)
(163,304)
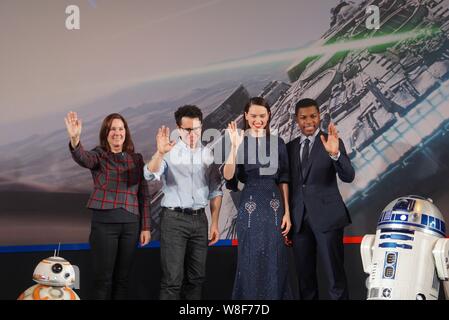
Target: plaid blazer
(118,181)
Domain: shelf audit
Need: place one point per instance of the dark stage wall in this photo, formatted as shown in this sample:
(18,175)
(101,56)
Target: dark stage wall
(145,275)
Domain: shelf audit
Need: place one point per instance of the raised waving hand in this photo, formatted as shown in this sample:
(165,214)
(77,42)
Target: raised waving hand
(74,126)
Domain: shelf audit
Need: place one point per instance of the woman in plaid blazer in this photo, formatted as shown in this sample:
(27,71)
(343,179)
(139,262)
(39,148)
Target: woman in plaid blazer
(119,202)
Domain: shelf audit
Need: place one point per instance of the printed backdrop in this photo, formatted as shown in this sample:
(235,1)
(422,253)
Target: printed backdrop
(387,89)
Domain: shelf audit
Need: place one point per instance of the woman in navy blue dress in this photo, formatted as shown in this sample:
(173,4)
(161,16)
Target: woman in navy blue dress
(260,161)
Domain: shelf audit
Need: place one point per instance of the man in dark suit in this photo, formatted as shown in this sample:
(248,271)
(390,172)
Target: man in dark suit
(317,210)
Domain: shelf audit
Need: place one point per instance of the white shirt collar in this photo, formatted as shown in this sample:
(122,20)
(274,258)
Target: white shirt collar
(311,138)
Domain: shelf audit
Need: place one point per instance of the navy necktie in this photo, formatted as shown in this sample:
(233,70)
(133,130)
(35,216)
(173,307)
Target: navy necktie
(305,156)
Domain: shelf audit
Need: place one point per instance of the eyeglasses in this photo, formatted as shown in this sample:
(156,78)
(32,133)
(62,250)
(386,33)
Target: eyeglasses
(189,130)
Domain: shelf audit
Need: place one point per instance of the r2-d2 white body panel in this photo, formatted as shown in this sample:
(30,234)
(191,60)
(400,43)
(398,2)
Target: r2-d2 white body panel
(408,256)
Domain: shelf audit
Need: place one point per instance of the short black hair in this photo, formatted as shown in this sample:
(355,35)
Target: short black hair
(189,111)
(305,103)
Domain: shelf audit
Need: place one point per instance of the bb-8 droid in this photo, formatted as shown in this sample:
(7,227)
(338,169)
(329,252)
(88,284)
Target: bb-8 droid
(54,277)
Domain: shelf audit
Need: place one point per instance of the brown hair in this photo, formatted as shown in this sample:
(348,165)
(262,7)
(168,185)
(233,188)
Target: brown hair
(128,145)
(258,101)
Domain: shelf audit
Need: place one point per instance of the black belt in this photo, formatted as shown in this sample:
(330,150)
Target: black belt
(188,210)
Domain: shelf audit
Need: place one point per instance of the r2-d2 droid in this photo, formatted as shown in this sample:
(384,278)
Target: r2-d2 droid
(54,277)
(409,254)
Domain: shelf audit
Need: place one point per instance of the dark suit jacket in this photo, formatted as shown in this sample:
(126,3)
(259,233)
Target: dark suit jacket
(318,192)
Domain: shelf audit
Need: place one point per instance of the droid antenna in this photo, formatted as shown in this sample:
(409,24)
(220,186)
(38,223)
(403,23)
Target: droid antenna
(59,246)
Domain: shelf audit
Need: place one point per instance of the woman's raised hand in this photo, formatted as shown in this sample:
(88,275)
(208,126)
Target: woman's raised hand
(235,134)
(73,125)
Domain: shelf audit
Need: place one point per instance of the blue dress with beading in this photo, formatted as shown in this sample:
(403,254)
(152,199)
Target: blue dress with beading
(262,264)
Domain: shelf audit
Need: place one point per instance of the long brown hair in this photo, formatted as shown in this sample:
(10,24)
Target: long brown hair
(258,101)
(128,145)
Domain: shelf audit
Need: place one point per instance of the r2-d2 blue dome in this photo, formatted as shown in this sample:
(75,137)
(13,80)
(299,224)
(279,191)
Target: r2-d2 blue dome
(408,256)
(413,213)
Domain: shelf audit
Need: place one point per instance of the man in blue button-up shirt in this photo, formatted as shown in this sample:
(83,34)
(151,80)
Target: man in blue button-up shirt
(191,180)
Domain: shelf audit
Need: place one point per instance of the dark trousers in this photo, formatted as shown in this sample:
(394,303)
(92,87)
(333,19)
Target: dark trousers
(330,247)
(183,255)
(113,248)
